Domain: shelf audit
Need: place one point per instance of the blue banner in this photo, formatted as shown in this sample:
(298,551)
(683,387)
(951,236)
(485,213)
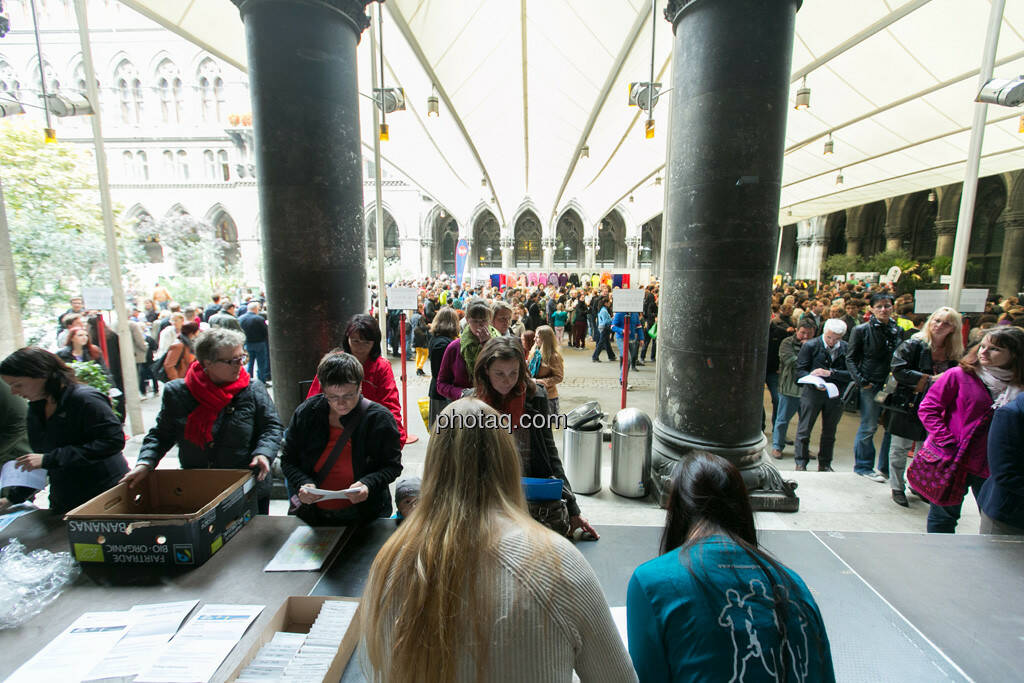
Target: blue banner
(461,256)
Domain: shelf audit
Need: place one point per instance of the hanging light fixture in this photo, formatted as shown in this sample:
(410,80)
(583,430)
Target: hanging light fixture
(829,145)
(432,102)
(839,177)
(1020,124)
(803,96)
(931,196)
(657,180)
(585,152)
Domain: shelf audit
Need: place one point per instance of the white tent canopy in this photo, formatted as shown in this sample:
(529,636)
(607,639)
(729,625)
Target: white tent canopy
(525,85)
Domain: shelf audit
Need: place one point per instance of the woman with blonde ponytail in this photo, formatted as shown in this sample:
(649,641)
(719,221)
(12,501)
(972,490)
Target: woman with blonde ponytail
(470,588)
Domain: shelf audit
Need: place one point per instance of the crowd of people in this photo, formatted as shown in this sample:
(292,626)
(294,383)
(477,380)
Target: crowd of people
(948,390)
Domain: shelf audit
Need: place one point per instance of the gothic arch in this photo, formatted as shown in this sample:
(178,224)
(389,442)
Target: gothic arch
(444,235)
(527,240)
(873,229)
(526,206)
(987,232)
(391,237)
(141,220)
(568,252)
(486,234)
(650,244)
(225,228)
(574,205)
(835,232)
(1015,199)
(611,241)
(919,235)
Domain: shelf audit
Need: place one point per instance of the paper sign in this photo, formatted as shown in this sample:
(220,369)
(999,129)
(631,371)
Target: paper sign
(402,298)
(97,298)
(306,549)
(628,300)
(926,301)
(973,300)
(831,389)
(11,475)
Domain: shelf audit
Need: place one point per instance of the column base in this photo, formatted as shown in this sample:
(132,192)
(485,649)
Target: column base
(769,492)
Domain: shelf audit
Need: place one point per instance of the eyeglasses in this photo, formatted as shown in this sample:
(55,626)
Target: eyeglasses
(236,361)
(345,398)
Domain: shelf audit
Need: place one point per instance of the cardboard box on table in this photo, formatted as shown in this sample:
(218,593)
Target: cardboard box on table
(297,615)
(175,518)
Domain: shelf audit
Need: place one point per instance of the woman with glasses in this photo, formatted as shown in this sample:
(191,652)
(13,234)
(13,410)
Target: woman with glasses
(455,377)
(362,339)
(338,440)
(217,416)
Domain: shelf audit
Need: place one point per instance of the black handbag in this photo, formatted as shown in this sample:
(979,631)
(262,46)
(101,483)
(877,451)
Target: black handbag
(897,398)
(851,396)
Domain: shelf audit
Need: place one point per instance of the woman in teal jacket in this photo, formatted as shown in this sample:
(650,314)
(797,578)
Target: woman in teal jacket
(715,607)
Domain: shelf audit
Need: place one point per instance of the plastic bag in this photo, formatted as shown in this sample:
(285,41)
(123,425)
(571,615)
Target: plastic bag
(31,581)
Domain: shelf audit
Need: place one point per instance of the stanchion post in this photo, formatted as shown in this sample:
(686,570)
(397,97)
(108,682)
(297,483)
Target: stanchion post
(405,395)
(101,331)
(625,356)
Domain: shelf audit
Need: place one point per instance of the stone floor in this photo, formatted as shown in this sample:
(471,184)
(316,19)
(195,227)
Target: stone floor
(836,501)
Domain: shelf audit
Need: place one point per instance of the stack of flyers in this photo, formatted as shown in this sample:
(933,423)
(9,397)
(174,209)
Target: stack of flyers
(322,642)
(297,657)
(270,662)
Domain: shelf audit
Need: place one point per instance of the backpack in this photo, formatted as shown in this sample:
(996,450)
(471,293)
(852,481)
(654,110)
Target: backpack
(157,369)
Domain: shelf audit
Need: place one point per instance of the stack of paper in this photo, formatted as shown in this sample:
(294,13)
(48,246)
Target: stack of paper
(815,381)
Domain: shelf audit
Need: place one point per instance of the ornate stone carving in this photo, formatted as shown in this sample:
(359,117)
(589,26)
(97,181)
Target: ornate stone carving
(507,243)
(945,227)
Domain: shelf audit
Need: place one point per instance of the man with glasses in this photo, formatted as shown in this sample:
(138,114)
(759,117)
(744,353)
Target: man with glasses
(871,347)
(216,392)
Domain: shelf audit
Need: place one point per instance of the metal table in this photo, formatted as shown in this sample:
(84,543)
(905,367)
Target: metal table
(914,607)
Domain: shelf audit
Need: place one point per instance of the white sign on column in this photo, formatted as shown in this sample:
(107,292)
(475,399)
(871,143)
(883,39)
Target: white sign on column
(402,298)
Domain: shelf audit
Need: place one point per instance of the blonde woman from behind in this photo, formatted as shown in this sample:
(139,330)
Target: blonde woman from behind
(470,588)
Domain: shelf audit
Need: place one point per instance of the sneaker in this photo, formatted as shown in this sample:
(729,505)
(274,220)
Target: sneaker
(789,442)
(825,468)
(596,360)
(777,454)
(873,476)
(801,468)
(900,498)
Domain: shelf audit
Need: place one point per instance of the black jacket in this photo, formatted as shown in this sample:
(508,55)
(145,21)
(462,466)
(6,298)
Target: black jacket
(247,427)
(814,355)
(420,336)
(1002,496)
(544,461)
(81,445)
(777,331)
(911,361)
(436,354)
(871,347)
(254,326)
(376,451)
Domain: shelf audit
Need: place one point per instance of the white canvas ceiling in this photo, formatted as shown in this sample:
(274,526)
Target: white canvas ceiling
(525,84)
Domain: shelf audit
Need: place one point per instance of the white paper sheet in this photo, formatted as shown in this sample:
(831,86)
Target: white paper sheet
(77,649)
(331,495)
(194,655)
(306,549)
(13,476)
(152,628)
(12,513)
(814,380)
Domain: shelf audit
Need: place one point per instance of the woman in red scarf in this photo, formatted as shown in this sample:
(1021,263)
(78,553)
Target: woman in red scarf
(362,340)
(502,380)
(217,416)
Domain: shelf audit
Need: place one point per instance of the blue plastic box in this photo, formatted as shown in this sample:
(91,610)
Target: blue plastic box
(542,489)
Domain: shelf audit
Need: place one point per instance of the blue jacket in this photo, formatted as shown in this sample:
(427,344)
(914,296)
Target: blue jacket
(722,625)
(1002,496)
(636,331)
(603,318)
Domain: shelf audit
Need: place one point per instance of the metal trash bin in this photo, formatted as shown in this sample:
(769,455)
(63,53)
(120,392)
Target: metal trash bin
(631,452)
(581,448)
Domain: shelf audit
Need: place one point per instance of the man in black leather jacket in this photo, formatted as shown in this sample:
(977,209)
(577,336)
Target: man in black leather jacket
(823,357)
(871,347)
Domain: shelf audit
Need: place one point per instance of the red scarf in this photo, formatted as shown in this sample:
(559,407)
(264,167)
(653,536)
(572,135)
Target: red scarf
(514,406)
(213,398)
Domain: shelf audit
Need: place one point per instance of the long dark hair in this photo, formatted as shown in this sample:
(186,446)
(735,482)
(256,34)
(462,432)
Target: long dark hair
(1005,337)
(707,498)
(501,348)
(366,327)
(38,363)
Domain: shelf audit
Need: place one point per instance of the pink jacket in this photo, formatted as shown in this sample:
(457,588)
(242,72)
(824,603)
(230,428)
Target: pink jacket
(957,408)
(453,376)
(378,386)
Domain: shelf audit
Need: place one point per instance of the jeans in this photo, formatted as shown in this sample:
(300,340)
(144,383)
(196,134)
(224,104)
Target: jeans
(788,407)
(592,325)
(145,377)
(259,356)
(864,442)
(994,526)
(604,342)
(942,519)
(812,402)
(771,380)
(897,461)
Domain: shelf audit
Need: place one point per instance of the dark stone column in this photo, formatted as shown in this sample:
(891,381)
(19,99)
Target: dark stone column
(1011,267)
(945,231)
(730,90)
(303,83)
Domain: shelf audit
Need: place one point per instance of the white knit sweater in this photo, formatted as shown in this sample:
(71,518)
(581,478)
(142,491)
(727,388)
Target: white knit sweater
(548,625)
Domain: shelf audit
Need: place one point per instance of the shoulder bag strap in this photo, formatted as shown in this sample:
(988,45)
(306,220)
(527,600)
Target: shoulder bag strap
(320,474)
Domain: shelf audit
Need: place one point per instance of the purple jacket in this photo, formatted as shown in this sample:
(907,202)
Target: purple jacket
(954,407)
(453,376)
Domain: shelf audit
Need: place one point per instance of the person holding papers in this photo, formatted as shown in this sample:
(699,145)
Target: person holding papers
(339,441)
(823,357)
(73,431)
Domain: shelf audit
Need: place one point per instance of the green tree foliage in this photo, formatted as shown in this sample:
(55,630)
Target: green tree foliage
(54,218)
(203,261)
(841,264)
